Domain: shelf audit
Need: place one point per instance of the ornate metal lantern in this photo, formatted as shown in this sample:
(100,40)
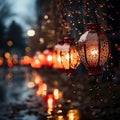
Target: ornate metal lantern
(94,49)
(68,54)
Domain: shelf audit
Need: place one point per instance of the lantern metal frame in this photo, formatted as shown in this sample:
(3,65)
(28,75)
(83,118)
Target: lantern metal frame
(100,54)
(68,61)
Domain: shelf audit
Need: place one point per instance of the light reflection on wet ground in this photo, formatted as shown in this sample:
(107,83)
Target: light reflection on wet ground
(27,94)
(18,100)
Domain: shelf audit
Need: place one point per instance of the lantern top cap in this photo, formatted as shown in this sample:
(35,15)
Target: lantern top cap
(67,40)
(93,26)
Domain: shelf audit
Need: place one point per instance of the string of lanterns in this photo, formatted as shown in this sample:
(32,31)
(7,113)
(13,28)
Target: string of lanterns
(92,48)
(93,51)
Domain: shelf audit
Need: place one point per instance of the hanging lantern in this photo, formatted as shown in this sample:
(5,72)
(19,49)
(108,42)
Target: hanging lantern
(94,49)
(68,55)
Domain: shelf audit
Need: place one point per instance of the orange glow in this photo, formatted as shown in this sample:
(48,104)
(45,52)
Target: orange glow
(26,60)
(37,79)
(1,61)
(66,55)
(73,115)
(48,57)
(44,89)
(57,60)
(36,63)
(7,55)
(56,94)
(10,43)
(50,103)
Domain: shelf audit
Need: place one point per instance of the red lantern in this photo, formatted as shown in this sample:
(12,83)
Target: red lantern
(94,49)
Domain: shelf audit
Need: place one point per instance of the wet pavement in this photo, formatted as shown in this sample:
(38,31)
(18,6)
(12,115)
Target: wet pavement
(18,101)
(20,98)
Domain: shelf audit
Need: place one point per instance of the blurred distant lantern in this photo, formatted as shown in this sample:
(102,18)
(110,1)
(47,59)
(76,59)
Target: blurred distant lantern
(94,49)
(48,53)
(26,60)
(31,33)
(67,54)
(36,63)
(1,61)
(41,57)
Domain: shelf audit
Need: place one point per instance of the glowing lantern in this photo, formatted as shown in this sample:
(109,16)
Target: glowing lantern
(67,55)
(26,60)
(40,55)
(36,63)
(94,49)
(48,57)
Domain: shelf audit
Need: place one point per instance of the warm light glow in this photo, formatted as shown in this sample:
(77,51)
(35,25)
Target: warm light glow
(46,17)
(1,61)
(94,52)
(59,59)
(94,49)
(67,56)
(9,43)
(56,94)
(49,58)
(31,33)
(36,63)
(44,89)
(50,105)
(41,40)
(31,84)
(60,117)
(73,115)
(7,55)
(37,79)
(26,60)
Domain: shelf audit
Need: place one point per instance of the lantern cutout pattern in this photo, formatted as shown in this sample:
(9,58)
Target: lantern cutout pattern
(67,54)
(94,49)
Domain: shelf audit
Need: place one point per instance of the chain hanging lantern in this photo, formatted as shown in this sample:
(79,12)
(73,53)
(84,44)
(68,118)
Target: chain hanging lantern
(94,49)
